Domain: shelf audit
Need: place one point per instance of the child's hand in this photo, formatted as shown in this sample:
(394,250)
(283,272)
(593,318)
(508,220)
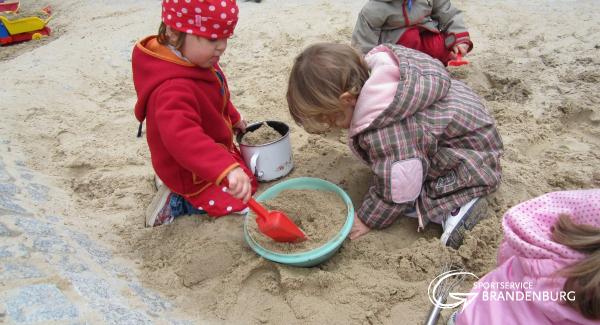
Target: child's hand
(358,228)
(463,48)
(240,127)
(239,185)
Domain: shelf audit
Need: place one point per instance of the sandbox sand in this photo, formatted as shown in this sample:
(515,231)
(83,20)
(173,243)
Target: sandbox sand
(321,215)
(263,135)
(67,101)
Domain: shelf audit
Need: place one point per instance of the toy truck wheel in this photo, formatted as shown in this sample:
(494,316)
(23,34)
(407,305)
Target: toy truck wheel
(36,36)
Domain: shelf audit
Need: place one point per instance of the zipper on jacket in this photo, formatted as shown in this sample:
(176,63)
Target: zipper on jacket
(405,13)
(224,105)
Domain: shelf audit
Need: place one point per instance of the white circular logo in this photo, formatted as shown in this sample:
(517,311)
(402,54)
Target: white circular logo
(440,289)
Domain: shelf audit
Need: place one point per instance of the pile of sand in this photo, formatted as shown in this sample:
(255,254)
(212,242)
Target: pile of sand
(263,135)
(319,214)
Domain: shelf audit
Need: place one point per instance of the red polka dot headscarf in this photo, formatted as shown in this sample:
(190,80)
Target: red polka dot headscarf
(207,18)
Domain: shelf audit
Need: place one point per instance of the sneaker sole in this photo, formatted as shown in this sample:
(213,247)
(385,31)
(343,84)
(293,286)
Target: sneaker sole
(475,214)
(156,205)
(157,182)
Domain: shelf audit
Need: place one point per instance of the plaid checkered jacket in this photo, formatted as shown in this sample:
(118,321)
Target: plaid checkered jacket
(429,140)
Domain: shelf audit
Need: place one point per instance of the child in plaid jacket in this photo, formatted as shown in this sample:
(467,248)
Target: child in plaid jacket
(431,143)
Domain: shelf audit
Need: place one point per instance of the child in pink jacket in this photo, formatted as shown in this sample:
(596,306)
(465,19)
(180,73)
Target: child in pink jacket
(546,241)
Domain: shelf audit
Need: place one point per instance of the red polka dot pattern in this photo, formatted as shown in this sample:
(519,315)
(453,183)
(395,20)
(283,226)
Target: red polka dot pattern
(211,19)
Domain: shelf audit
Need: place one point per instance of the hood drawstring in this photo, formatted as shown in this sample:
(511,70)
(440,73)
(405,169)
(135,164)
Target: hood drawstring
(222,82)
(420,217)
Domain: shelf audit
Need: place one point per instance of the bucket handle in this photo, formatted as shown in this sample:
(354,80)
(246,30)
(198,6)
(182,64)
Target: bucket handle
(253,166)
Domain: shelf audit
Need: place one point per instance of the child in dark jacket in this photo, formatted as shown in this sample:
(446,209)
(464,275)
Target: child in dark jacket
(434,27)
(432,145)
(190,120)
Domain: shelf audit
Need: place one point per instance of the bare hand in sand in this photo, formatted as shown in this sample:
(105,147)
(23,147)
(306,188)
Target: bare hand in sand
(239,185)
(358,228)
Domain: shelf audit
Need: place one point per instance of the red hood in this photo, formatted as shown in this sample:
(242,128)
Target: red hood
(148,57)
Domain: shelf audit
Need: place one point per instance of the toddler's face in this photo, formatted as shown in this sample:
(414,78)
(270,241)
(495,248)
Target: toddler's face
(338,121)
(344,122)
(201,51)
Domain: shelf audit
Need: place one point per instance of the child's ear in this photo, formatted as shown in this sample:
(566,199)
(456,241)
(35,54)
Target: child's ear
(347,99)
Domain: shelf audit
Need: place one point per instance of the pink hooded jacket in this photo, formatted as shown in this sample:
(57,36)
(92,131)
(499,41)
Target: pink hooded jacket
(528,256)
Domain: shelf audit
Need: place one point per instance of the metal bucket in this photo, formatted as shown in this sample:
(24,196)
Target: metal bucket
(269,161)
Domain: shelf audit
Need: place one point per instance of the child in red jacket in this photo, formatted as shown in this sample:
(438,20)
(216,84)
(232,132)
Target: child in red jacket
(190,120)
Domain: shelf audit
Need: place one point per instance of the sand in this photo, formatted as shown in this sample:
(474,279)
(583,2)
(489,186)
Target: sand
(67,100)
(263,135)
(321,215)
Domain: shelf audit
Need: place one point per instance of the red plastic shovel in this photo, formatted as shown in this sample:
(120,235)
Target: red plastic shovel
(458,61)
(275,224)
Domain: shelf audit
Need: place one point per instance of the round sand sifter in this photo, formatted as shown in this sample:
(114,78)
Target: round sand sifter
(274,224)
(315,256)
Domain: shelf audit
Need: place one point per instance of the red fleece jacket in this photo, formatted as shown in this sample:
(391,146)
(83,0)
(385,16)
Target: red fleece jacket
(189,118)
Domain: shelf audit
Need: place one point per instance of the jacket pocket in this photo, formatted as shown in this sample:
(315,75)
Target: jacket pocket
(406,180)
(451,182)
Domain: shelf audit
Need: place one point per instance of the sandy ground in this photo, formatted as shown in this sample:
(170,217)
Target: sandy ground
(67,100)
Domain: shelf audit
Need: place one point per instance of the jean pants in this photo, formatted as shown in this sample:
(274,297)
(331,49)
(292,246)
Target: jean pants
(180,206)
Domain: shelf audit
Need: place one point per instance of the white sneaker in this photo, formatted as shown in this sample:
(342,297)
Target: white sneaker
(456,223)
(159,210)
(157,182)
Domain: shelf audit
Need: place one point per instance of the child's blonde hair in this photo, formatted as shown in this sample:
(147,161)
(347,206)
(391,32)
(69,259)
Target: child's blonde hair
(164,39)
(583,277)
(320,75)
